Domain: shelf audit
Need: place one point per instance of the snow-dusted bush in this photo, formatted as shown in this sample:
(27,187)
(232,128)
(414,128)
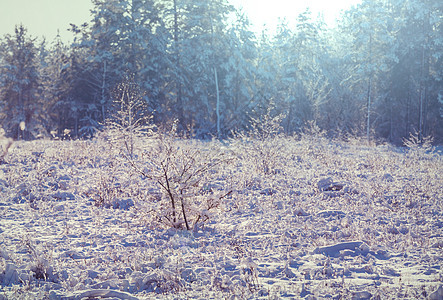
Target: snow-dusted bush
(183,170)
(129,119)
(261,145)
(419,147)
(5,144)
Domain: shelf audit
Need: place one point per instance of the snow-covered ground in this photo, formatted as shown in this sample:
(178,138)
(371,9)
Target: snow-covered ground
(303,218)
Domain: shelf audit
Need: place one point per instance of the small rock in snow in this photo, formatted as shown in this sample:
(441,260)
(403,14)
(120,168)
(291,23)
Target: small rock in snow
(438,244)
(334,250)
(437,295)
(279,205)
(10,276)
(300,213)
(330,213)
(390,272)
(388,178)
(361,295)
(65,178)
(93,274)
(403,229)
(73,254)
(289,273)
(325,184)
(60,207)
(188,275)
(268,192)
(393,230)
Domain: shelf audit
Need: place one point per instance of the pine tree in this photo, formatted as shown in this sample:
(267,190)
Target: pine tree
(19,84)
(198,44)
(416,77)
(125,37)
(238,73)
(372,53)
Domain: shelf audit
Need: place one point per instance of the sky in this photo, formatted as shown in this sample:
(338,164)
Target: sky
(46,17)
(43,17)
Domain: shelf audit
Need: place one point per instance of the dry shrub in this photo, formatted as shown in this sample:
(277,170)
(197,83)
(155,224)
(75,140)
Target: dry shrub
(183,170)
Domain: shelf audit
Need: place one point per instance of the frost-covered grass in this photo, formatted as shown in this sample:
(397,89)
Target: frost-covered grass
(316,218)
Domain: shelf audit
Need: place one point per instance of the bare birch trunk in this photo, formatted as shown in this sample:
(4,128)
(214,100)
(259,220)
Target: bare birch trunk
(218,103)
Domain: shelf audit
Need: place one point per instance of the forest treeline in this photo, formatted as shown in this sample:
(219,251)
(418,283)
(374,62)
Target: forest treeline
(378,73)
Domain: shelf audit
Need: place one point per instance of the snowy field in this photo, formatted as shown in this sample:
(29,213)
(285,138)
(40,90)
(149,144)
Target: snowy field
(281,218)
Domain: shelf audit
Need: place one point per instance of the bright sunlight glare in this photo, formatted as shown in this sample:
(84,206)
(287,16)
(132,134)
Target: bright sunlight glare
(266,13)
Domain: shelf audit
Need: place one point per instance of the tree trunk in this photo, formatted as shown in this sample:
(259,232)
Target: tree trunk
(421,96)
(180,105)
(103,90)
(424,72)
(218,103)
(368,117)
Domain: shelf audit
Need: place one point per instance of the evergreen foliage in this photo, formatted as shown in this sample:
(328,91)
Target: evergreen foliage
(378,73)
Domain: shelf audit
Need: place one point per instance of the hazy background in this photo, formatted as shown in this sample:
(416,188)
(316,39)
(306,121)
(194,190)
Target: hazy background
(46,17)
